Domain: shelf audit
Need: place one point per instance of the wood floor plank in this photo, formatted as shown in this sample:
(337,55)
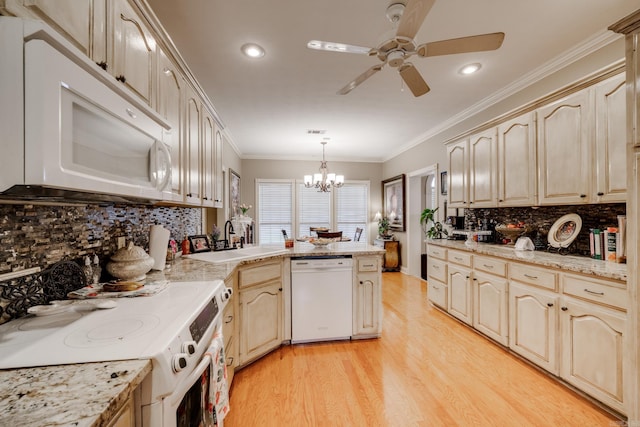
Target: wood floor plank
(427,369)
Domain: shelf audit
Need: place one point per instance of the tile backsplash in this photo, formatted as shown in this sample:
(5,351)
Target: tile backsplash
(34,235)
(540,219)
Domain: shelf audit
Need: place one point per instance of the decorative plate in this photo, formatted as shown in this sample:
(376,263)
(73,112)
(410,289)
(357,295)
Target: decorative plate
(564,231)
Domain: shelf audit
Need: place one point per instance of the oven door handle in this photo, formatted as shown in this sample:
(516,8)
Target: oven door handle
(185,385)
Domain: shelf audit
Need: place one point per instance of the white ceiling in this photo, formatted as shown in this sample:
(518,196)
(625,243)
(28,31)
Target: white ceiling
(268,105)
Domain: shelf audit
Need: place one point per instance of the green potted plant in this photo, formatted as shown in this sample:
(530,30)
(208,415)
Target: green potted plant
(383,228)
(435,231)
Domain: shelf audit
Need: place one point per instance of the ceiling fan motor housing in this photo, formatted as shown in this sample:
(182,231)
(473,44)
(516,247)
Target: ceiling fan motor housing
(395,58)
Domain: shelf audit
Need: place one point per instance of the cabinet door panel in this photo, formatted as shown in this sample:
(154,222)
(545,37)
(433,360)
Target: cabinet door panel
(459,283)
(517,162)
(367,304)
(564,146)
(532,325)
(611,140)
(133,50)
(458,174)
(490,307)
(261,330)
(192,148)
(483,169)
(592,354)
(208,151)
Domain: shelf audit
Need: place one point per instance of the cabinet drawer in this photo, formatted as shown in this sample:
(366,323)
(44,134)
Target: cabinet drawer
(533,276)
(437,293)
(437,269)
(368,264)
(595,290)
(490,265)
(437,252)
(461,258)
(263,273)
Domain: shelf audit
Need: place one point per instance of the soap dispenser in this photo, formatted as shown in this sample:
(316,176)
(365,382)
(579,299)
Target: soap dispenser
(87,270)
(97,270)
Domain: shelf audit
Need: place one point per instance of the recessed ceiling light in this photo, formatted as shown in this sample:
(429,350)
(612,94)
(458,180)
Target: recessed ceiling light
(470,68)
(252,50)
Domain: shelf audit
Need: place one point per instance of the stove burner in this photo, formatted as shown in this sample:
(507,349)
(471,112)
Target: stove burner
(115,331)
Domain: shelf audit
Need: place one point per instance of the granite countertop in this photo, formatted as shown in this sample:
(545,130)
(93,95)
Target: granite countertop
(578,264)
(185,269)
(87,394)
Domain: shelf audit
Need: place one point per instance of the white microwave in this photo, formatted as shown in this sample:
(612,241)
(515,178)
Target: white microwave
(73,132)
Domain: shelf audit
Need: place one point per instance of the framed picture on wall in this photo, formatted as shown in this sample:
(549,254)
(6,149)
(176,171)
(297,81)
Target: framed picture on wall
(234,192)
(443,183)
(393,201)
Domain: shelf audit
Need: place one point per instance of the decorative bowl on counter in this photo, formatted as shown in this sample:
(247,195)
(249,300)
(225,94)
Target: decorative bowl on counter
(511,233)
(130,263)
(321,241)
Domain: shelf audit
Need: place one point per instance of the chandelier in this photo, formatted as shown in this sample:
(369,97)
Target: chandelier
(323,180)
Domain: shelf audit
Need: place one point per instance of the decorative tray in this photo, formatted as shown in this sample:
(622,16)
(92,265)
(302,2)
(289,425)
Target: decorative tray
(97,291)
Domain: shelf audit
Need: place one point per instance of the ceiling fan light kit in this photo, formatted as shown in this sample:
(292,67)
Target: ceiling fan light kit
(398,48)
(323,180)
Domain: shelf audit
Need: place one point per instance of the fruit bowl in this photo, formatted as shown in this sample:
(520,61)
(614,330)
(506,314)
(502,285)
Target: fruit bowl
(321,241)
(511,233)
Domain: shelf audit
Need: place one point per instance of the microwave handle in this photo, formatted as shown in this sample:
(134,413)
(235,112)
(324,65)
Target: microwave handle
(160,165)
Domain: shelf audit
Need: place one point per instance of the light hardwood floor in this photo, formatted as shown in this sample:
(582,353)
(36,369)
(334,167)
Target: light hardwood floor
(426,370)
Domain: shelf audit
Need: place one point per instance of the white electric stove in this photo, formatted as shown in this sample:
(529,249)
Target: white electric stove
(173,328)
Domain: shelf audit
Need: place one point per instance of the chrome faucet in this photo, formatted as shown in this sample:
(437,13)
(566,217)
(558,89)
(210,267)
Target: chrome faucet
(227,236)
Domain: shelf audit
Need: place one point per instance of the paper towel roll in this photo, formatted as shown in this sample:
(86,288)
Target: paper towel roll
(158,243)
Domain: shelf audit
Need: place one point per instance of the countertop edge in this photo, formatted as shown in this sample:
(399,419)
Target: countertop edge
(568,263)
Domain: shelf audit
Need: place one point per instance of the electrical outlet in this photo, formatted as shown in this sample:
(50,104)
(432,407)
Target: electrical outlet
(120,242)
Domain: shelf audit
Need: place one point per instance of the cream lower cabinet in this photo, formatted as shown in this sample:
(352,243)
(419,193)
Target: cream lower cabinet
(229,333)
(367,298)
(460,295)
(533,323)
(261,310)
(490,306)
(593,350)
(437,289)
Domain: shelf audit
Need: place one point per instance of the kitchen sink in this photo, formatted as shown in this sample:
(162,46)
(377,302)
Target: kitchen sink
(238,254)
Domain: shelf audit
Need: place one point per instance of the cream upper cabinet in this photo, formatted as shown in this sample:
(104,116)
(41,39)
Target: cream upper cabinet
(593,350)
(533,319)
(483,169)
(209,130)
(218,180)
(192,146)
(71,18)
(458,175)
(171,86)
(611,140)
(565,137)
(517,174)
(132,50)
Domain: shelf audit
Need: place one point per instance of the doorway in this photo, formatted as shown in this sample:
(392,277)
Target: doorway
(423,193)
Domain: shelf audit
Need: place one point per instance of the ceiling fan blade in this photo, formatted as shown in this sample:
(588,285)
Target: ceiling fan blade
(339,47)
(361,78)
(413,79)
(413,16)
(462,45)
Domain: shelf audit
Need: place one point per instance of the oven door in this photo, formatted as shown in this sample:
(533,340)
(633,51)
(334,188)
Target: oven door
(186,406)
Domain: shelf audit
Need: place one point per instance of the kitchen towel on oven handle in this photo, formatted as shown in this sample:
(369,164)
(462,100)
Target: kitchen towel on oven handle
(218,399)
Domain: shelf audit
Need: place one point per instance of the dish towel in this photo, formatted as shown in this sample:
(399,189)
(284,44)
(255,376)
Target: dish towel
(218,401)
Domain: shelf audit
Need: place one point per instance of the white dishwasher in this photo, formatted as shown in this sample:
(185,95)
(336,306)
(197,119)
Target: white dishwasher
(321,298)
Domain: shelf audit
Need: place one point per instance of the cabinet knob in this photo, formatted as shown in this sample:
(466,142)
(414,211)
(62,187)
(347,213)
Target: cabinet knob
(102,65)
(564,308)
(549,304)
(280,289)
(583,196)
(121,79)
(600,193)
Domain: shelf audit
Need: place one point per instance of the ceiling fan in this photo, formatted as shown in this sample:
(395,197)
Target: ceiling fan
(399,48)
